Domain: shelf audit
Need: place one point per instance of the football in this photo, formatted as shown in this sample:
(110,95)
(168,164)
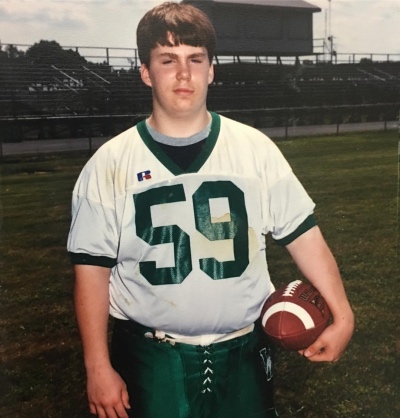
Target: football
(295,315)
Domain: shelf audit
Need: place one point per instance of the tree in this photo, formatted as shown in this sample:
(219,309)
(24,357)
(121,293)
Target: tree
(11,52)
(51,53)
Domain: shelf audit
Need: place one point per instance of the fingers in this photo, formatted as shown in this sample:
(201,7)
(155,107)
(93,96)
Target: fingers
(321,351)
(92,409)
(116,409)
(107,393)
(125,399)
(330,345)
(109,412)
(319,354)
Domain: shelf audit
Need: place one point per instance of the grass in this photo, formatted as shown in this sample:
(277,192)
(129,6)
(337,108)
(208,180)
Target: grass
(353,179)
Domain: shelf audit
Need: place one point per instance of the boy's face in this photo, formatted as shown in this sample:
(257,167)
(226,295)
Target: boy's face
(179,77)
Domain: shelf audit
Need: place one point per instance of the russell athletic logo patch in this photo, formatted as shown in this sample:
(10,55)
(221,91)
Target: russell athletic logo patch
(144,175)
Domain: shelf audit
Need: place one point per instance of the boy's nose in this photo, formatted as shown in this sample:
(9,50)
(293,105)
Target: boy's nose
(183,72)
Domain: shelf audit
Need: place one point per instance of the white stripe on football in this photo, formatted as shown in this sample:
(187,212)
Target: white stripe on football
(290,307)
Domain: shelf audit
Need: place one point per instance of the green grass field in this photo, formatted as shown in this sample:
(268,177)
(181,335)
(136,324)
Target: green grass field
(354,181)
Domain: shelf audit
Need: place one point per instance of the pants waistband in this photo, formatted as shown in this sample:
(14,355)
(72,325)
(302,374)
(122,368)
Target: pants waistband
(201,340)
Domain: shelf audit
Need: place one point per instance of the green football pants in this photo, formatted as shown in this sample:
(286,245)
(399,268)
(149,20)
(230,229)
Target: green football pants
(231,379)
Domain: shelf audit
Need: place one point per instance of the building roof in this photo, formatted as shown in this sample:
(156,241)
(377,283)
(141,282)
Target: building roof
(294,4)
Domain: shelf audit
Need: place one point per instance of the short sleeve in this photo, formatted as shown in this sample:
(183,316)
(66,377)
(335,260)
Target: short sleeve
(291,209)
(93,236)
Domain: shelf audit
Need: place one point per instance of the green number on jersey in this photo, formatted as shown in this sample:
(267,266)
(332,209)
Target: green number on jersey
(236,229)
(163,235)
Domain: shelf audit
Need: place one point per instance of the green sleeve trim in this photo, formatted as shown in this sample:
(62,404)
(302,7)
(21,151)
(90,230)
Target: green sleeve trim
(309,223)
(90,260)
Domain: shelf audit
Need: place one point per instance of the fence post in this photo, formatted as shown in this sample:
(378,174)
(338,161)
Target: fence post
(90,135)
(286,127)
(398,123)
(337,123)
(1,145)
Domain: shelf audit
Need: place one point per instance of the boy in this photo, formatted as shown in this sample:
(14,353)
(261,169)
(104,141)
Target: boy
(169,220)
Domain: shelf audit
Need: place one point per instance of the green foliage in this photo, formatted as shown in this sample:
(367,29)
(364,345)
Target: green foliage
(353,180)
(366,62)
(52,53)
(11,52)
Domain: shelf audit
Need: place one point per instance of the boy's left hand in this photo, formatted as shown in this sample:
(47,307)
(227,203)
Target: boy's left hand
(331,344)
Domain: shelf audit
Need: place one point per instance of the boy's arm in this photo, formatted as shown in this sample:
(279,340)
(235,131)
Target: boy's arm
(107,394)
(317,264)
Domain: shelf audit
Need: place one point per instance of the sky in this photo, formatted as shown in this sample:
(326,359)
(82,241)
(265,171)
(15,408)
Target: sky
(357,26)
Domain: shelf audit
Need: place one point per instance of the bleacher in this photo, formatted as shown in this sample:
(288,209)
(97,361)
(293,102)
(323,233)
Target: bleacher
(324,84)
(62,88)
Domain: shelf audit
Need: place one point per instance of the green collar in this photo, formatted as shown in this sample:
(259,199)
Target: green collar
(211,140)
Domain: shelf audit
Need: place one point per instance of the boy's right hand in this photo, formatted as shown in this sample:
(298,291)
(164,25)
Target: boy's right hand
(107,393)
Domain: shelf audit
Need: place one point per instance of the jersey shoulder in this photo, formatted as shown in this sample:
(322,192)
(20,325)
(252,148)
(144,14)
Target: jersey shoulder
(118,144)
(253,146)
(243,131)
(242,136)
(105,169)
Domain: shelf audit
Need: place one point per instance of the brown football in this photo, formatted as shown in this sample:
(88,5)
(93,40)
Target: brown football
(295,315)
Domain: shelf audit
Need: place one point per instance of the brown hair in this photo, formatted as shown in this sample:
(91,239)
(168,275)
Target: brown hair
(172,24)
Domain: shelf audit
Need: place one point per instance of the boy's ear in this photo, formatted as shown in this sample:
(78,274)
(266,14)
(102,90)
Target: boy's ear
(145,75)
(211,74)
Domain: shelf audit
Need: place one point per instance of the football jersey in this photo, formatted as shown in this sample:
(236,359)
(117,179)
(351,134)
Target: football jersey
(187,247)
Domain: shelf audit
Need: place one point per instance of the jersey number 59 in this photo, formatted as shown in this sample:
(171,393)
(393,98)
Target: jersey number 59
(235,229)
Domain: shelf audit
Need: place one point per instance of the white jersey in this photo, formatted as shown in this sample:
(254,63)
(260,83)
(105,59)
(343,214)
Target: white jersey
(187,248)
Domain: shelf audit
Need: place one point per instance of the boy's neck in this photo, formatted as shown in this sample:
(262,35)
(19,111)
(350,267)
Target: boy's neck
(179,126)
